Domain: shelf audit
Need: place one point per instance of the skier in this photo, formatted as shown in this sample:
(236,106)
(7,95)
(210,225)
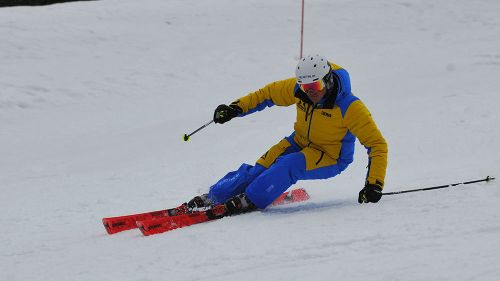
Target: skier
(329,118)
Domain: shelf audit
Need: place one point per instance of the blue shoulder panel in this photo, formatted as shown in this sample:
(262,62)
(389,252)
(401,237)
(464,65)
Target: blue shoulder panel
(345,81)
(344,101)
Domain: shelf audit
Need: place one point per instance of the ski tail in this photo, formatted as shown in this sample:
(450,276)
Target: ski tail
(293,196)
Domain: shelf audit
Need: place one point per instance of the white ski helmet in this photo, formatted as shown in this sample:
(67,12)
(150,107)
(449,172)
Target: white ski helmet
(311,69)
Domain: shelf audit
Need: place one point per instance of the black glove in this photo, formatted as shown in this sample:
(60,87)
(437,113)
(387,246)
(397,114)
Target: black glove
(370,193)
(224,113)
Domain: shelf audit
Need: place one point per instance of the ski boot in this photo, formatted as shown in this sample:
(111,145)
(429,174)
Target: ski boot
(199,203)
(239,204)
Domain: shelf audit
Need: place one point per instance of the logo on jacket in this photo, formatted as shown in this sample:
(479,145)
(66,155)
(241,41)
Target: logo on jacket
(326,114)
(263,157)
(301,105)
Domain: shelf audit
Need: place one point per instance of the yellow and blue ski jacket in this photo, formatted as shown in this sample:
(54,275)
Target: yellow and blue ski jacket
(325,131)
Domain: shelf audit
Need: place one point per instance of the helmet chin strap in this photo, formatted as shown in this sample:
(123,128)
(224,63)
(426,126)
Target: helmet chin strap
(329,82)
(331,90)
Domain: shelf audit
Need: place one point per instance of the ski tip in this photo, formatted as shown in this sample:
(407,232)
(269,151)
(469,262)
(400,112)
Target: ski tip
(107,226)
(113,225)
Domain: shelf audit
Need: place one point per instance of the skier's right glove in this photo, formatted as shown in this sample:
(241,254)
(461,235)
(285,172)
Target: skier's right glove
(224,113)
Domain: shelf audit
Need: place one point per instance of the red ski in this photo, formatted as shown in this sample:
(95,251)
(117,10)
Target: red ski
(160,225)
(117,224)
(121,223)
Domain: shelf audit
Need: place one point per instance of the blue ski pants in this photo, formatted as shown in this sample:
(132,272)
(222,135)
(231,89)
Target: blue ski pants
(279,168)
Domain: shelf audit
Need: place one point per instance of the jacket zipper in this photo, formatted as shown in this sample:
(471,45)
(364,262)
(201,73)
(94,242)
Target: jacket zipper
(320,158)
(310,122)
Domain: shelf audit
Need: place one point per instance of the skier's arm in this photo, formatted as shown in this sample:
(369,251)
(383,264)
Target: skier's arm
(279,93)
(360,122)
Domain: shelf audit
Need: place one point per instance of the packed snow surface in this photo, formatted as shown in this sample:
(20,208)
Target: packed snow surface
(96,96)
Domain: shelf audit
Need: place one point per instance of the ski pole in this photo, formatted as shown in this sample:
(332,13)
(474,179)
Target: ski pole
(487,179)
(186,136)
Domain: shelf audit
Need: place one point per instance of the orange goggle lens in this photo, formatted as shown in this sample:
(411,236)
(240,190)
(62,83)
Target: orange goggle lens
(316,86)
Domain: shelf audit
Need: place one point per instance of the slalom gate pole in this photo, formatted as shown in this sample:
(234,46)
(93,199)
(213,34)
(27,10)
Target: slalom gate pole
(186,136)
(302,30)
(487,179)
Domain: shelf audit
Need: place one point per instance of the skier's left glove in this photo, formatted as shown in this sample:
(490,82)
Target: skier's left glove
(224,113)
(370,193)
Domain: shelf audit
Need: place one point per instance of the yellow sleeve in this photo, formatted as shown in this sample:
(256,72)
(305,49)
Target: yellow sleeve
(277,93)
(360,122)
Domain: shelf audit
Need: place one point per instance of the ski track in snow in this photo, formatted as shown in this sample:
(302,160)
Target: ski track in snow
(95,97)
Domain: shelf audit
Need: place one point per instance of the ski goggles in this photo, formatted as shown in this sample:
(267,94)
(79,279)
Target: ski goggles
(316,86)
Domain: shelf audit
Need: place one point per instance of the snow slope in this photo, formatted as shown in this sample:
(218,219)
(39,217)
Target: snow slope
(95,98)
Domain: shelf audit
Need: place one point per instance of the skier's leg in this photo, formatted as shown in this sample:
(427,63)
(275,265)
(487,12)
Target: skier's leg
(236,182)
(306,164)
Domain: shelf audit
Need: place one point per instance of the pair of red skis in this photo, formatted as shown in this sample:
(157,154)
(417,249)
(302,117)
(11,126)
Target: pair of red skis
(170,219)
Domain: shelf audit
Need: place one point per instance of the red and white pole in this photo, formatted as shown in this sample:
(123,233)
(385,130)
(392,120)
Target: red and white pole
(302,31)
